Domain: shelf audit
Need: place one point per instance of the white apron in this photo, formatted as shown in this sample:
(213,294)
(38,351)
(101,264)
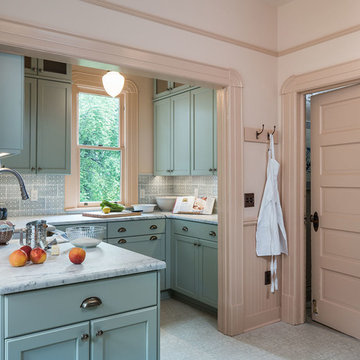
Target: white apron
(269,240)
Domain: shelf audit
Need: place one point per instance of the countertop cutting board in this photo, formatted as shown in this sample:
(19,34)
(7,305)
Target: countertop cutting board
(100,214)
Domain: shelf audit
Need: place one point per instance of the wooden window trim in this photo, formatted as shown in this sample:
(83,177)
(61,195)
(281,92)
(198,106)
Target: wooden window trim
(90,82)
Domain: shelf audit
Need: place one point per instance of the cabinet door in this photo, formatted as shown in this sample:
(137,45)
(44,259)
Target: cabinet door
(54,69)
(128,336)
(26,160)
(208,272)
(30,65)
(162,137)
(202,126)
(54,127)
(56,344)
(184,272)
(180,106)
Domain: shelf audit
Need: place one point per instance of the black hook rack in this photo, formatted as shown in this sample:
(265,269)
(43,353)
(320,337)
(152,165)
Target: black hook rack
(260,132)
(268,135)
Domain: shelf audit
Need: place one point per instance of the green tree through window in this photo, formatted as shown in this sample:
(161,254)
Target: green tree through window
(99,143)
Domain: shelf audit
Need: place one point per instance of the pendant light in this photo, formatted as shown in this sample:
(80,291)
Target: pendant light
(113,83)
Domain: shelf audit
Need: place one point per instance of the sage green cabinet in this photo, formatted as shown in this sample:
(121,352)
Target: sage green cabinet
(194,263)
(172,135)
(47,128)
(47,69)
(11,103)
(165,88)
(185,138)
(55,344)
(203,132)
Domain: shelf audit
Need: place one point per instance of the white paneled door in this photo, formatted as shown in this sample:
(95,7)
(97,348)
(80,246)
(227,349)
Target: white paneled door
(335,187)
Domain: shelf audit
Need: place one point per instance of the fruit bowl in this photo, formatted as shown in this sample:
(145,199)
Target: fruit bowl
(86,236)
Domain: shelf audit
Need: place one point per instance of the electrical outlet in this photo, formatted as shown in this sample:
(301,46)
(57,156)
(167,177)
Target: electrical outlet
(34,195)
(249,200)
(267,277)
(142,193)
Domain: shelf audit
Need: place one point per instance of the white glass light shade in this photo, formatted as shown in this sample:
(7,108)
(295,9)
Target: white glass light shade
(113,83)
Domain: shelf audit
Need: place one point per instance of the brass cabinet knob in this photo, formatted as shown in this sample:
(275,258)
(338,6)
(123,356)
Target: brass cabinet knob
(153,237)
(99,333)
(153,227)
(122,241)
(84,337)
(122,229)
(91,302)
(212,233)
(185,228)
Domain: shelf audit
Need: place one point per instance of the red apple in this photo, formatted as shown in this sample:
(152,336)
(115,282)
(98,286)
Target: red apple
(18,258)
(27,250)
(77,255)
(37,256)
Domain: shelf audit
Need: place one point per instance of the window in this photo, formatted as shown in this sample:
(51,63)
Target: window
(99,143)
(104,143)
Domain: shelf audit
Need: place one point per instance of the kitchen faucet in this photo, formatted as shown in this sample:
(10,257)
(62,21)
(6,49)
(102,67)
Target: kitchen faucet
(24,194)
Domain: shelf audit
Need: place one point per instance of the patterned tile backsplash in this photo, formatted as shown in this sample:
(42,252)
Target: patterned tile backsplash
(51,190)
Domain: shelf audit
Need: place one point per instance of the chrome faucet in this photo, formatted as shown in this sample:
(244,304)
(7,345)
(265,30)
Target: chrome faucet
(24,194)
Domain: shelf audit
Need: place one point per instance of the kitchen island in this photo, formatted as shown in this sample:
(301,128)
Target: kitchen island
(105,308)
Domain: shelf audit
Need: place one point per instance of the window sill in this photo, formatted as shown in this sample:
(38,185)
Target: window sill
(82,209)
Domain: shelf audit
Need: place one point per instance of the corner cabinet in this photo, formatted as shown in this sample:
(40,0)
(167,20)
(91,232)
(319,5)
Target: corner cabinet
(194,261)
(185,141)
(47,128)
(122,322)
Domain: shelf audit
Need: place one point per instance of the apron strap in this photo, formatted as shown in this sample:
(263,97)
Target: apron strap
(271,147)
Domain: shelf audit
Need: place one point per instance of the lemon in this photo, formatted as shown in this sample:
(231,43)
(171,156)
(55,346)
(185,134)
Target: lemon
(106,210)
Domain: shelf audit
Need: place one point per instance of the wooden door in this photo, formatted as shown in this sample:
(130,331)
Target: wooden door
(185,265)
(180,107)
(335,187)
(54,127)
(208,272)
(128,336)
(202,130)
(162,137)
(55,344)
(26,160)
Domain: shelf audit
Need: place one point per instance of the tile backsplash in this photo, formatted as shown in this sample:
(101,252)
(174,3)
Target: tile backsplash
(153,186)
(51,190)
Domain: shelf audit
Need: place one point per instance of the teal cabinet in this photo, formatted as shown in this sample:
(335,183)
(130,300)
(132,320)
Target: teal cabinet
(172,135)
(203,132)
(185,137)
(66,342)
(165,88)
(194,262)
(47,128)
(130,336)
(11,103)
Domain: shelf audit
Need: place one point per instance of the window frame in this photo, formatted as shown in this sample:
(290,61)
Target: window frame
(87,80)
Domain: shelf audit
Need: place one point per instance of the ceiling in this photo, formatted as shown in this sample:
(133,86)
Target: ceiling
(277,2)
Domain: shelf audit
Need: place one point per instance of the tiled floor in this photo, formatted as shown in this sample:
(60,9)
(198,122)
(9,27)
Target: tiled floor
(189,334)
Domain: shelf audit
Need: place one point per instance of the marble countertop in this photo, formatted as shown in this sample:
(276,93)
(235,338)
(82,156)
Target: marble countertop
(104,261)
(20,222)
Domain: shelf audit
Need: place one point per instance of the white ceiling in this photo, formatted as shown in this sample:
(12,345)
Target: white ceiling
(277,2)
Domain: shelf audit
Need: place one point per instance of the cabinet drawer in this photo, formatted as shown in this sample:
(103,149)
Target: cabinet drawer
(149,245)
(36,310)
(196,229)
(136,227)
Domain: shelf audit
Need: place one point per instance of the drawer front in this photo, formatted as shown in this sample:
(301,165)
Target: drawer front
(196,229)
(117,229)
(36,310)
(150,245)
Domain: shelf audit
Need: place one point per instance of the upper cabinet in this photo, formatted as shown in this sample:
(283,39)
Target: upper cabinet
(165,88)
(185,140)
(47,128)
(47,69)
(11,103)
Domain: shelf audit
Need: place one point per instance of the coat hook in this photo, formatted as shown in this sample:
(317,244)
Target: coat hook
(260,132)
(271,133)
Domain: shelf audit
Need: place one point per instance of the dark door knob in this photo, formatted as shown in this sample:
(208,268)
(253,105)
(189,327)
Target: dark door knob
(315,220)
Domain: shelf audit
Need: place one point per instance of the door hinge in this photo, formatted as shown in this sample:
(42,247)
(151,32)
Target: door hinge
(314,307)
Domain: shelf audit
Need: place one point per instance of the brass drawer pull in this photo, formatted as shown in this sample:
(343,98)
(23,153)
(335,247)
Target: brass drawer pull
(122,229)
(99,333)
(153,227)
(91,302)
(84,337)
(122,241)
(153,237)
(185,228)
(212,233)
